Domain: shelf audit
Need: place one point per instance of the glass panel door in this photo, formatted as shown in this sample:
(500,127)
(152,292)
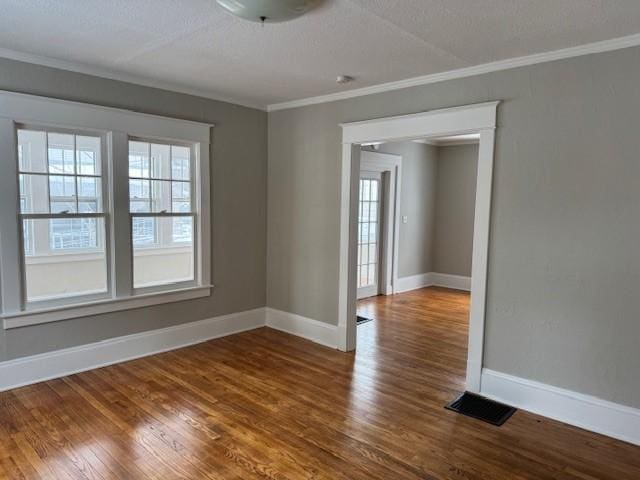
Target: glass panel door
(369,234)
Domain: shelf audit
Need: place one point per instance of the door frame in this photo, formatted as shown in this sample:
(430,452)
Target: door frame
(390,166)
(474,118)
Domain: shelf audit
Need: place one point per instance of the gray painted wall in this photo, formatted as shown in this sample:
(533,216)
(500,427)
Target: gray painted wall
(455,209)
(418,203)
(438,198)
(564,267)
(238,189)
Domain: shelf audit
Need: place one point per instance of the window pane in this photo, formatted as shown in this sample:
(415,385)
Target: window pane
(181,191)
(164,264)
(375,185)
(144,231)
(160,161)
(60,186)
(182,231)
(181,207)
(140,195)
(373,229)
(33,194)
(89,206)
(139,207)
(138,159)
(373,252)
(180,163)
(73,233)
(89,195)
(27,238)
(78,265)
(32,147)
(365,189)
(88,155)
(373,211)
(62,194)
(60,152)
(371,280)
(161,196)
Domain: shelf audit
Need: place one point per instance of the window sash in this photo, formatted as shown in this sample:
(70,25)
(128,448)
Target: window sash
(38,247)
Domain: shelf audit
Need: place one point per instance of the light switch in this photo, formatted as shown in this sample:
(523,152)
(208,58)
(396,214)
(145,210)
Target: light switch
(405,219)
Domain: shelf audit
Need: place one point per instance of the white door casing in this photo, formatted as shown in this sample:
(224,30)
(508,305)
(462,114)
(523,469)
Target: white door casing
(450,121)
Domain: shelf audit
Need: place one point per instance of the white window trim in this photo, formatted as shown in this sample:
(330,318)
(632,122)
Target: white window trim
(117,126)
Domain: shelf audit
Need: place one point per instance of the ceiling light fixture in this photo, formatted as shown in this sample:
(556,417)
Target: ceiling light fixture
(268,10)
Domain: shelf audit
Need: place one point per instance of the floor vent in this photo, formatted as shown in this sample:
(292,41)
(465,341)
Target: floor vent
(360,320)
(475,406)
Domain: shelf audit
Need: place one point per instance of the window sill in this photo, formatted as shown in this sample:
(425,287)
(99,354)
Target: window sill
(67,312)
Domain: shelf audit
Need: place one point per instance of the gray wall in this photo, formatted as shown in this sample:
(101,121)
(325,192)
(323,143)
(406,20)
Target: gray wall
(455,209)
(563,268)
(238,189)
(418,203)
(438,198)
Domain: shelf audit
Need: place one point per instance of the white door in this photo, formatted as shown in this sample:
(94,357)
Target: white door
(369,215)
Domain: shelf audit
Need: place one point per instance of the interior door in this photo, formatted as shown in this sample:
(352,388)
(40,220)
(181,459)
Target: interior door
(369,215)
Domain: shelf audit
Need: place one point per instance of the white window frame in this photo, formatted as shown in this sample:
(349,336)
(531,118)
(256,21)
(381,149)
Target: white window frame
(117,126)
(38,254)
(165,238)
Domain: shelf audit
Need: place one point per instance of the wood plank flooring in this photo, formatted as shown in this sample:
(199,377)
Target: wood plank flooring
(267,405)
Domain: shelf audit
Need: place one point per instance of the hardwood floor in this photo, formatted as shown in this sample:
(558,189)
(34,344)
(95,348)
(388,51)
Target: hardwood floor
(267,405)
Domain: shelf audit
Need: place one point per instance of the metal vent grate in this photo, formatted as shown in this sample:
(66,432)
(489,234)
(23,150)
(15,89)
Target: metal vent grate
(475,406)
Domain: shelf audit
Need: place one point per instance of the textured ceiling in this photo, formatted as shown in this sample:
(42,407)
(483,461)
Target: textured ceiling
(193,44)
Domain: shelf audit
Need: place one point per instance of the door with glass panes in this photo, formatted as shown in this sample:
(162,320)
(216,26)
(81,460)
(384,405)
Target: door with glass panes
(369,216)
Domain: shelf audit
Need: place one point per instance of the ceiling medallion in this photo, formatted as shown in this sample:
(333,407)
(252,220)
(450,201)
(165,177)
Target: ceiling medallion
(268,10)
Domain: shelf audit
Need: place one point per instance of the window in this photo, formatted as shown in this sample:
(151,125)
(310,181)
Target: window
(368,230)
(162,213)
(60,191)
(111,215)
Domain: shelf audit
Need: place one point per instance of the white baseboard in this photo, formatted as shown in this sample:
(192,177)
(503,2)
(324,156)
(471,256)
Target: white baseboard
(318,332)
(451,281)
(46,366)
(584,411)
(431,279)
(413,282)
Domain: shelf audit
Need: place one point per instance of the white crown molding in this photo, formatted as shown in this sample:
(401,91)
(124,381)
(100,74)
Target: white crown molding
(123,77)
(586,49)
(584,411)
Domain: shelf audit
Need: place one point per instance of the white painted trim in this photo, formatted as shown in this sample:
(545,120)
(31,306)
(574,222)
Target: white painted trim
(115,127)
(586,49)
(46,366)
(46,111)
(392,165)
(462,119)
(432,279)
(584,411)
(413,282)
(69,311)
(318,332)
(447,280)
(123,77)
(450,121)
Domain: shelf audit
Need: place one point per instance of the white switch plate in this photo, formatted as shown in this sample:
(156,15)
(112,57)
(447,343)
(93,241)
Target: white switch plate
(405,219)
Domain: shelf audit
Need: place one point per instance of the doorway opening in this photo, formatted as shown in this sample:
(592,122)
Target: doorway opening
(361,274)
